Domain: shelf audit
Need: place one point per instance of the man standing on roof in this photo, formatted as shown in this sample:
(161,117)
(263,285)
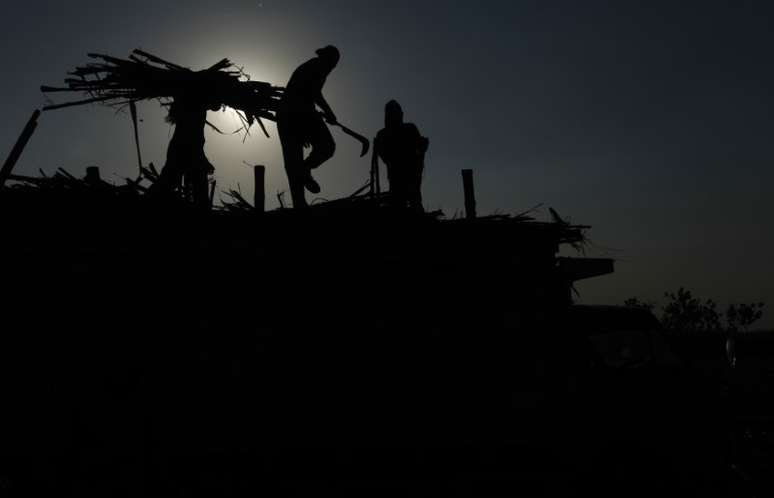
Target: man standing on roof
(187,168)
(300,125)
(402,148)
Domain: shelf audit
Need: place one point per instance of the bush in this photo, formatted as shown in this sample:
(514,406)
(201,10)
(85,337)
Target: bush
(687,314)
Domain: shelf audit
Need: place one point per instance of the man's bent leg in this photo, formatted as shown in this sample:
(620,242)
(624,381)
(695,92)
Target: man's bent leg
(323,145)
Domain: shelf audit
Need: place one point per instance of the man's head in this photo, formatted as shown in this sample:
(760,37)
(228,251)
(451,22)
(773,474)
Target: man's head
(393,114)
(329,54)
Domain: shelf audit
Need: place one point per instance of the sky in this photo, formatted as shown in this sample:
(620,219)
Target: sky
(651,121)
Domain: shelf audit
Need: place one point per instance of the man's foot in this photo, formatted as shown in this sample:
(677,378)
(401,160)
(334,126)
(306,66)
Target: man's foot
(311,184)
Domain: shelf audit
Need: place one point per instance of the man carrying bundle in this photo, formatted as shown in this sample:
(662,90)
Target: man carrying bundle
(187,167)
(301,125)
(117,82)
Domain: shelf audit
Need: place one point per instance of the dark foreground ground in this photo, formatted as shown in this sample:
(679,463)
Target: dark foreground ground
(176,355)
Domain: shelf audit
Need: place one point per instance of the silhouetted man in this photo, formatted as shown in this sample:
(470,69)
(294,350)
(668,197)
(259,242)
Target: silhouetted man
(187,167)
(401,147)
(301,125)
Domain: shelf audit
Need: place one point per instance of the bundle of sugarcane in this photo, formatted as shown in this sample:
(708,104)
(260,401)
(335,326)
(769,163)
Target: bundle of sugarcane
(143,76)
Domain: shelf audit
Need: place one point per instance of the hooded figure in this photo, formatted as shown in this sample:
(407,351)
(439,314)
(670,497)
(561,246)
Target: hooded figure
(402,148)
(301,125)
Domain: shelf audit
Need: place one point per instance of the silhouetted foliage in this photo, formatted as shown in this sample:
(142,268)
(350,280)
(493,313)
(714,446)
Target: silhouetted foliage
(634,302)
(683,312)
(686,313)
(739,317)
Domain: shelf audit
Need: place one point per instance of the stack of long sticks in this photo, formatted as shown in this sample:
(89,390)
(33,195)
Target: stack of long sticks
(142,76)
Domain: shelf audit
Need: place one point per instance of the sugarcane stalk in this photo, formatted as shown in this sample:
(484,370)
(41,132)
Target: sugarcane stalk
(159,60)
(79,102)
(133,113)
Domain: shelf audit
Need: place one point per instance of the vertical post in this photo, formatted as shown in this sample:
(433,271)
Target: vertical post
(259,199)
(92,175)
(374,165)
(376,188)
(212,193)
(18,148)
(133,113)
(470,193)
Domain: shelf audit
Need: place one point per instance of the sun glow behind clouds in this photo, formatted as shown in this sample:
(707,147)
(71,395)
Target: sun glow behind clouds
(227,122)
(233,152)
(267,45)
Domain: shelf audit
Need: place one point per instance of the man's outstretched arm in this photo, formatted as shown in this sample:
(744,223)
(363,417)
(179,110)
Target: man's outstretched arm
(328,112)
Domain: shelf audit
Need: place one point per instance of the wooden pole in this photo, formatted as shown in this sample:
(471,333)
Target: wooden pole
(92,175)
(376,188)
(133,112)
(259,199)
(18,148)
(212,192)
(470,193)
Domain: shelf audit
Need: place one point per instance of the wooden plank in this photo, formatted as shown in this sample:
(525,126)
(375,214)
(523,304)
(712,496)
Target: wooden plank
(470,193)
(18,148)
(259,198)
(92,176)
(78,102)
(133,113)
(28,179)
(574,269)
